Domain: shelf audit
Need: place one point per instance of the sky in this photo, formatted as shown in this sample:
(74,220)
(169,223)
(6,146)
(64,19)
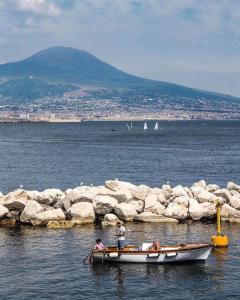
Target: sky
(191,42)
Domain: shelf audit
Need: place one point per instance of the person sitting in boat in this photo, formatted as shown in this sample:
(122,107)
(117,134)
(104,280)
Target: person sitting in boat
(120,232)
(99,245)
(155,246)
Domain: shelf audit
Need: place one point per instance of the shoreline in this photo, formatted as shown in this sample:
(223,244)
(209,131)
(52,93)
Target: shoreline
(116,120)
(120,201)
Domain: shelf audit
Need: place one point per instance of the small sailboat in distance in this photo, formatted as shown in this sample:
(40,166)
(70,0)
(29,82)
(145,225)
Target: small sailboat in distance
(156,127)
(131,126)
(128,127)
(145,126)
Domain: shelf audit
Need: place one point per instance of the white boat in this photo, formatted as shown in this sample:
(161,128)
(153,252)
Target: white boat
(156,127)
(165,254)
(145,126)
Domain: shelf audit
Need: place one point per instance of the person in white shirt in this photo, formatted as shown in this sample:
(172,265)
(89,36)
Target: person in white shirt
(120,232)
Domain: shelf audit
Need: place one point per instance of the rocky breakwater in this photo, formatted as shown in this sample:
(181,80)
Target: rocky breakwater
(119,201)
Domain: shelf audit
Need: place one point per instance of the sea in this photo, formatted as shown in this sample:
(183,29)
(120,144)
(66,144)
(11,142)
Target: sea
(44,263)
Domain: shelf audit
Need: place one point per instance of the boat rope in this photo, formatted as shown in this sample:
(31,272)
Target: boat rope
(231,255)
(85,259)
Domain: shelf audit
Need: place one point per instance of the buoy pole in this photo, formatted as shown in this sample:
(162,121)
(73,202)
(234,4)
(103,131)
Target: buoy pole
(219,240)
(218,220)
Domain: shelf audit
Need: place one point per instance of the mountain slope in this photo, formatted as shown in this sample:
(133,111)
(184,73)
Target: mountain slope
(68,65)
(27,89)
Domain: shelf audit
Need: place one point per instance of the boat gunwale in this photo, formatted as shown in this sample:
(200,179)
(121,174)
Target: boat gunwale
(146,252)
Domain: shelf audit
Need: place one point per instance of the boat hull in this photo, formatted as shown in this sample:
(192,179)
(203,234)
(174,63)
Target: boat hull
(200,254)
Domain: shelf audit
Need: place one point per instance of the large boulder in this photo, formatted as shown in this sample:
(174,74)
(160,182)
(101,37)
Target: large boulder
(138,204)
(201,184)
(31,209)
(229,212)
(3,212)
(141,192)
(178,191)
(117,185)
(125,211)
(235,201)
(223,193)
(233,186)
(82,213)
(153,205)
(150,217)
(205,196)
(43,218)
(182,200)
(167,191)
(15,200)
(110,220)
(176,211)
(49,196)
(104,204)
(212,188)
(198,211)
(81,194)
(120,196)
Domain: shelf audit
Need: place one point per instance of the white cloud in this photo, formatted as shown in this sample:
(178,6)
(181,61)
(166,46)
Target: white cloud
(40,7)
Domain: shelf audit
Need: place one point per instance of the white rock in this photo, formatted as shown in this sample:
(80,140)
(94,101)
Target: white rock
(76,196)
(121,195)
(229,212)
(49,196)
(212,188)
(82,213)
(42,218)
(178,191)
(233,186)
(205,196)
(116,185)
(150,217)
(3,212)
(200,183)
(110,220)
(15,200)
(138,204)
(104,204)
(224,193)
(182,200)
(153,205)
(203,210)
(31,209)
(140,192)
(176,211)
(235,202)
(125,211)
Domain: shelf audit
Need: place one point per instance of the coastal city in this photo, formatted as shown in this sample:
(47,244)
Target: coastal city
(93,107)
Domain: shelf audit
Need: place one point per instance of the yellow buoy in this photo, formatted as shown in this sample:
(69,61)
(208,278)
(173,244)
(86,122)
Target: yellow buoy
(219,240)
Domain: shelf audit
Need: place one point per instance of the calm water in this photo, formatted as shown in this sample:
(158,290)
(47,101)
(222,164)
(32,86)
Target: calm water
(47,264)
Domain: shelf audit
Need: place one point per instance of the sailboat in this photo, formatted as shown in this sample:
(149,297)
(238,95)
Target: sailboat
(156,127)
(131,126)
(145,126)
(128,127)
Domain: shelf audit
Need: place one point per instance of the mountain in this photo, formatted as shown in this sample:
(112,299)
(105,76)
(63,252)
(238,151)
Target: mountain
(25,89)
(77,68)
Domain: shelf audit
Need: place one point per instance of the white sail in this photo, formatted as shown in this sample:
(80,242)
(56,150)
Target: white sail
(128,127)
(145,126)
(131,126)
(156,127)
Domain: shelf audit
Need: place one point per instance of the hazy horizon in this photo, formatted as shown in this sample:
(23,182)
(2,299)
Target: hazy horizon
(185,42)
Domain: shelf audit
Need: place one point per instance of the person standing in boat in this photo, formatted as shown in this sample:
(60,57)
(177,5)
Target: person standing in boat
(120,232)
